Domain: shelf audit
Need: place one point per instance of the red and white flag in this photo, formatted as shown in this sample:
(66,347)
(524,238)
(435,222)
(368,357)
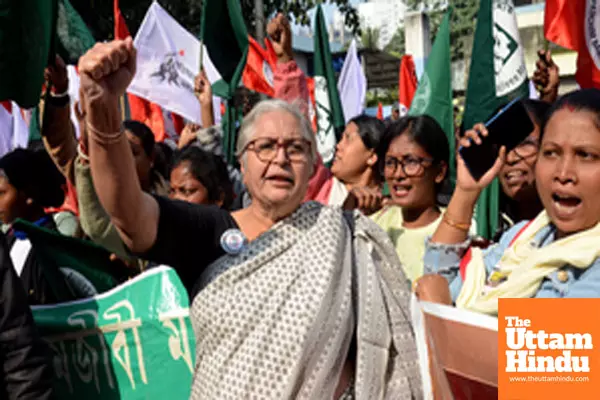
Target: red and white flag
(260,65)
(408,83)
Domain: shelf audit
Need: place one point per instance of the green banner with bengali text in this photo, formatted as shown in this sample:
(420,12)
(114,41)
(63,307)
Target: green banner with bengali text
(133,342)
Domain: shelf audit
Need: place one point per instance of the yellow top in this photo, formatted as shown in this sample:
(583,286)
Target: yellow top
(409,243)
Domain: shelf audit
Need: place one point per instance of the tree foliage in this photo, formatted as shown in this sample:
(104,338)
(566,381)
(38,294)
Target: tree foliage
(370,38)
(383,96)
(462,24)
(397,45)
(98,14)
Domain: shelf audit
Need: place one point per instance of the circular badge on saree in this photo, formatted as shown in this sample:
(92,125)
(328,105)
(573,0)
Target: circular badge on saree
(233,241)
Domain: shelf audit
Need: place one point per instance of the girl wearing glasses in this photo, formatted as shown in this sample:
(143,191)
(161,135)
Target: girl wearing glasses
(519,199)
(413,159)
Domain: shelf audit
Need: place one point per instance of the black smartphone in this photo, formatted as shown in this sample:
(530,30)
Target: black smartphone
(509,127)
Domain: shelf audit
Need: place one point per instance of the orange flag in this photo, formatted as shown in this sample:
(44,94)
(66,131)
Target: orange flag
(380,111)
(408,83)
(258,73)
(140,109)
(564,25)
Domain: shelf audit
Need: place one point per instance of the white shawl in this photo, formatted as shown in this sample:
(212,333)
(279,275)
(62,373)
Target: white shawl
(278,321)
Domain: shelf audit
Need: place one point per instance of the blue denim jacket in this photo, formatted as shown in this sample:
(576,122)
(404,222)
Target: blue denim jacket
(568,281)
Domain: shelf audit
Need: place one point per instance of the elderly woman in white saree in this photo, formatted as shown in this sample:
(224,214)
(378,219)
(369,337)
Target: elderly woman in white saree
(288,300)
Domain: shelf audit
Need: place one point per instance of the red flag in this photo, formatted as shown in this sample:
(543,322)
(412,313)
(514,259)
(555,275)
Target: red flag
(121,30)
(7,104)
(408,83)
(312,103)
(140,109)
(271,55)
(258,73)
(178,123)
(380,111)
(564,25)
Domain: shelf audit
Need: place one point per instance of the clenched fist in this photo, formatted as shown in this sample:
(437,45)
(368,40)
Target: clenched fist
(106,70)
(280,32)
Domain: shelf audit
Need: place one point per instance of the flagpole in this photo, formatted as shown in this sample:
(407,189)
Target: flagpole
(122,103)
(259,15)
(201,54)
(202,23)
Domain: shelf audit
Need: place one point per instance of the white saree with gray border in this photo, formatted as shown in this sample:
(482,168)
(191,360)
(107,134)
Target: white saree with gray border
(276,320)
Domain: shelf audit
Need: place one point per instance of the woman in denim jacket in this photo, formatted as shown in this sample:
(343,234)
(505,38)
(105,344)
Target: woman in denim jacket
(554,255)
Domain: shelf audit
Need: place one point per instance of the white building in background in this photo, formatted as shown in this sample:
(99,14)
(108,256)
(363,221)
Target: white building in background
(338,31)
(385,15)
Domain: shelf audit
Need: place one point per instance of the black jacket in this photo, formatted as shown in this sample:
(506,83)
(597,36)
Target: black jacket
(24,358)
(43,281)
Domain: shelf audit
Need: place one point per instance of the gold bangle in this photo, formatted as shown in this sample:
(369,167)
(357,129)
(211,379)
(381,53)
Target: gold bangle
(103,137)
(82,155)
(457,225)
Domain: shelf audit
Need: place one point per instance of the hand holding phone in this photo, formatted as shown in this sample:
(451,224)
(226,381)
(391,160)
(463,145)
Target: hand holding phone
(509,127)
(475,139)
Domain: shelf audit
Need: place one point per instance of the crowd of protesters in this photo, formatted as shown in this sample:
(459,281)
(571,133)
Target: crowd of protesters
(324,261)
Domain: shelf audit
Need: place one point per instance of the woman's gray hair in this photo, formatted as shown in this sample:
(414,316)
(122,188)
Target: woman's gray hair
(247,130)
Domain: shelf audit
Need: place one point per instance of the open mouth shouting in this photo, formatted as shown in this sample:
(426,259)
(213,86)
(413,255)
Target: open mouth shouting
(401,191)
(565,204)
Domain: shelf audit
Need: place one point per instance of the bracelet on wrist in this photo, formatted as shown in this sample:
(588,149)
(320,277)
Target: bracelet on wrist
(103,137)
(461,226)
(65,93)
(82,152)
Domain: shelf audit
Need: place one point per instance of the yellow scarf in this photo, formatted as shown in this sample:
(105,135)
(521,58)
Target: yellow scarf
(524,266)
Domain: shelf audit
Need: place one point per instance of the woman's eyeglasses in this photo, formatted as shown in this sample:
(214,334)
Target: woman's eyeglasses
(411,165)
(296,150)
(527,148)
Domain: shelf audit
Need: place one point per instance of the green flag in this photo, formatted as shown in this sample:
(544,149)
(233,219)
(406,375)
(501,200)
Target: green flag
(434,93)
(330,117)
(223,32)
(74,37)
(26,39)
(497,75)
(133,342)
(85,262)
(73,40)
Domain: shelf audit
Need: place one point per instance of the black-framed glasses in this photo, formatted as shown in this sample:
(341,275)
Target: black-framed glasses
(527,148)
(296,150)
(411,165)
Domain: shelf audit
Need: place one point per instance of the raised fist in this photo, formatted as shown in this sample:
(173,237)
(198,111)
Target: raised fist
(56,74)
(280,32)
(106,70)
(202,88)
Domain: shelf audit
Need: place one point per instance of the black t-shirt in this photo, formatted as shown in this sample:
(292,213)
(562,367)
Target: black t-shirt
(189,238)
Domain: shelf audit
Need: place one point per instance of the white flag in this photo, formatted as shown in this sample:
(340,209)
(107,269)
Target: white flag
(352,84)
(20,138)
(168,59)
(6,130)
(509,61)
(73,95)
(14,129)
